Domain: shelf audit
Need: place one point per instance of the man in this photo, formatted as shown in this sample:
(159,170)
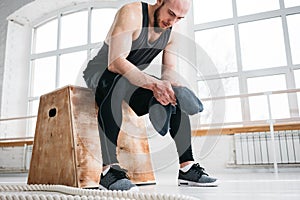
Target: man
(138,34)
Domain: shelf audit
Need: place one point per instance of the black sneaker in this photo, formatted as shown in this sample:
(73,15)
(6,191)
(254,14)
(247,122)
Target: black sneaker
(196,176)
(116,179)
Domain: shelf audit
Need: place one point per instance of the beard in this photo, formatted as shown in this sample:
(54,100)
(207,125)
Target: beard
(157,29)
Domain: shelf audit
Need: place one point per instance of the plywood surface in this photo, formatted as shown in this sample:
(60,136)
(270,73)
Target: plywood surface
(67,147)
(52,156)
(133,150)
(86,138)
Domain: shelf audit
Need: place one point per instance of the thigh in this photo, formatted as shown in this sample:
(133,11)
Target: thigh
(105,86)
(139,101)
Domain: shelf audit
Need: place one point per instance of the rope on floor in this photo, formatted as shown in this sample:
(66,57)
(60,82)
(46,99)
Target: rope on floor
(80,194)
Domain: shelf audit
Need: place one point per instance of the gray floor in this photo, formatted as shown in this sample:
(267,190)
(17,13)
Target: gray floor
(236,184)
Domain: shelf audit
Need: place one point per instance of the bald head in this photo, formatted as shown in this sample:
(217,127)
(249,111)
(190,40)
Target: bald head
(183,5)
(168,12)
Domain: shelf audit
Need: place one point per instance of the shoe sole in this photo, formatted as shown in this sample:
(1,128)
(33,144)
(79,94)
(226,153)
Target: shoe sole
(133,189)
(192,183)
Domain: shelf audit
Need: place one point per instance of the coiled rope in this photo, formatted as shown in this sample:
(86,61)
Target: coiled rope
(80,194)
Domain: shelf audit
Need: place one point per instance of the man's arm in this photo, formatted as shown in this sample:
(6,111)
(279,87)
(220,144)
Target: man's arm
(169,61)
(168,70)
(120,40)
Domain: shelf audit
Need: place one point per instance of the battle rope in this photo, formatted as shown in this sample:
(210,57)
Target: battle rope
(80,194)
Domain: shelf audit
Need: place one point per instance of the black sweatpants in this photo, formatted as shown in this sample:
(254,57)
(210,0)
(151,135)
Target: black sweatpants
(112,89)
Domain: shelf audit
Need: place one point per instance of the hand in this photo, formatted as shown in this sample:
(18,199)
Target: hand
(164,93)
(176,84)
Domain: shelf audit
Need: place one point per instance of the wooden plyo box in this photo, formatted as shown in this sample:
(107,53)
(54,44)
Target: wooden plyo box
(67,149)
(133,151)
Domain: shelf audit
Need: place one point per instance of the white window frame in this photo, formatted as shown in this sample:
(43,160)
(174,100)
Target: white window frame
(86,47)
(243,75)
(89,46)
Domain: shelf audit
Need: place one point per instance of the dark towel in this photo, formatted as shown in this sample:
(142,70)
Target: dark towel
(160,115)
(187,100)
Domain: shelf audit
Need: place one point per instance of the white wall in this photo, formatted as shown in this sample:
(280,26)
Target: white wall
(6,8)
(15,80)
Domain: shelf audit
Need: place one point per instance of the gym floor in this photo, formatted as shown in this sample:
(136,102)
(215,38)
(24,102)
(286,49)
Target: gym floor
(235,185)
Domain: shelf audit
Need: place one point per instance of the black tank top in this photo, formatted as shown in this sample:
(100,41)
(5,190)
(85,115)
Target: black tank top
(141,54)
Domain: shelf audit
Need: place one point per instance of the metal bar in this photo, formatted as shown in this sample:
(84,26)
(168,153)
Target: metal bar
(247,139)
(293,142)
(280,150)
(272,134)
(267,149)
(25,156)
(260,150)
(241,139)
(286,146)
(254,152)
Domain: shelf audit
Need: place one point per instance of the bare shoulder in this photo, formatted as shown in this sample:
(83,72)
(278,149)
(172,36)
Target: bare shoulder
(130,14)
(128,19)
(134,6)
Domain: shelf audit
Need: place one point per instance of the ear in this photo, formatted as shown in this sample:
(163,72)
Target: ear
(159,2)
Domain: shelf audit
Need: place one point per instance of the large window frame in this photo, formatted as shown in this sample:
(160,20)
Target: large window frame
(33,100)
(243,75)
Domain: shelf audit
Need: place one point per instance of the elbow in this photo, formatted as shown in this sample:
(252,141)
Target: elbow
(111,68)
(116,66)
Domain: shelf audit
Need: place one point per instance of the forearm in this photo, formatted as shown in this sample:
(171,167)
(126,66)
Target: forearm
(141,79)
(133,74)
(162,90)
(169,74)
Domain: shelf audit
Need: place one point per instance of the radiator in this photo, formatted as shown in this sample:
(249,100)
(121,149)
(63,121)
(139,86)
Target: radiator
(256,148)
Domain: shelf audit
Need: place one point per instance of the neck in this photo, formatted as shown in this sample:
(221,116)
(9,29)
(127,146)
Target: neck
(151,9)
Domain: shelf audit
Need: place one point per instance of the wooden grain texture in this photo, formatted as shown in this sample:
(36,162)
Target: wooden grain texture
(133,151)
(86,138)
(53,158)
(66,146)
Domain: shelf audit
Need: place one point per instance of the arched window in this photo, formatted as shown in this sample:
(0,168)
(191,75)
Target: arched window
(46,49)
(57,38)
(61,45)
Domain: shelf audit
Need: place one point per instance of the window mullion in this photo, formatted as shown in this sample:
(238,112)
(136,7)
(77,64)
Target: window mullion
(242,80)
(58,47)
(290,79)
(286,35)
(30,82)
(89,31)
(31,68)
(31,74)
